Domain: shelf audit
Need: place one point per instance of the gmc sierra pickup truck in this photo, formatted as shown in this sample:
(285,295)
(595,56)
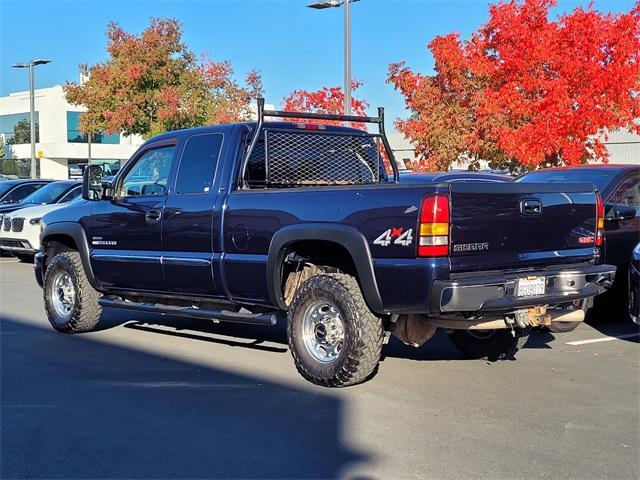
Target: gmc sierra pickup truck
(300,222)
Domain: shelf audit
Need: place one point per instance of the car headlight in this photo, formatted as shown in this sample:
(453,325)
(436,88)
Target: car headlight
(35,221)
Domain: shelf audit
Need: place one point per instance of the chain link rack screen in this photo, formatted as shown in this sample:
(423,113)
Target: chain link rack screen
(321,158)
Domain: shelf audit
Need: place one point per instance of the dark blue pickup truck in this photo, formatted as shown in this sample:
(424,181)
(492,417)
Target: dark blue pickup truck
(300,222)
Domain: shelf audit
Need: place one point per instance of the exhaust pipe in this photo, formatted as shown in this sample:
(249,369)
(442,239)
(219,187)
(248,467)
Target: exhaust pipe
(566,316)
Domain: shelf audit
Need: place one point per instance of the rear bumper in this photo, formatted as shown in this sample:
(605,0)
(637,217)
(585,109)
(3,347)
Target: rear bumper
(497,293)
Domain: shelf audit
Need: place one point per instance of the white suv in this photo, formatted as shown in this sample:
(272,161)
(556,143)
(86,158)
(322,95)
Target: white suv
(20,230)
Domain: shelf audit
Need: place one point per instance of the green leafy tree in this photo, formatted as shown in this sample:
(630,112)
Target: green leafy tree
(152,83)
(22,133)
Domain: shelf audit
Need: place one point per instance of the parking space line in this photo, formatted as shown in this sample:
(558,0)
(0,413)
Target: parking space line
(604,339)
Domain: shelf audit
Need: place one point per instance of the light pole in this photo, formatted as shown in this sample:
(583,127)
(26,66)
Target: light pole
(32,107)
(321,4)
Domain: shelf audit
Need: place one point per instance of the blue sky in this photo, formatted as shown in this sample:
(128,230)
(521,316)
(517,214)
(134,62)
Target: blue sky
(292,46)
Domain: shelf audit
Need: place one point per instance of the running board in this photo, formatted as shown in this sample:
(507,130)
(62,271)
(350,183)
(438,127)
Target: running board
(191,312)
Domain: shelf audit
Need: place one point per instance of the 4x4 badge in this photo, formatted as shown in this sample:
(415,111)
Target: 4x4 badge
(402,237)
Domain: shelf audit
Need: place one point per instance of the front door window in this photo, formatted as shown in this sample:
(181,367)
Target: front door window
(149,176)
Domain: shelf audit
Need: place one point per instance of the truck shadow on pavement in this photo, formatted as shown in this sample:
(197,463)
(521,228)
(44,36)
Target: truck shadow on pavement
(80,407)
(274,339)
(625,330)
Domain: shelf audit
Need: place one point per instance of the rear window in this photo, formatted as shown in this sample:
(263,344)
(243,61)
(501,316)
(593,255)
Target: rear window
(600,177)
(317,158)
(198,163)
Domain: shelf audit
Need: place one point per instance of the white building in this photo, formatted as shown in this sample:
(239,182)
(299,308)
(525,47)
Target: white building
(60,147)
(402,149)
(623,146)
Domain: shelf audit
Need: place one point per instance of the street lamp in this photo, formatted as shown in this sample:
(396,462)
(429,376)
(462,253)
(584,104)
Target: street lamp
(322,4)
(32,106)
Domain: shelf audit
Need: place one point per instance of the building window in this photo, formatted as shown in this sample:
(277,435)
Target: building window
(15,128)
(109,166)
(74,135)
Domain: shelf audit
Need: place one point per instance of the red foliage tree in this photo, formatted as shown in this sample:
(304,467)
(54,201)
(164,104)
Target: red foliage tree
(329,100)
(526,90)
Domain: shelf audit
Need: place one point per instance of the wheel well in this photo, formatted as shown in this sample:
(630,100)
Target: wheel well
(56,244)
(305,258)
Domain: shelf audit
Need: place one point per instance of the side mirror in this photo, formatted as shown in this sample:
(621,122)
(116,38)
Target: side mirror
(92,182)
(620,212)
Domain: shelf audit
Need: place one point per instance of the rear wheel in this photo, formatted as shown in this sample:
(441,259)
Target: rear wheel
(70,301)
(490,344)
(334,338)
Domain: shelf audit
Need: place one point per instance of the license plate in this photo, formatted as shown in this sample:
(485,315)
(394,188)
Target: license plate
(530,286)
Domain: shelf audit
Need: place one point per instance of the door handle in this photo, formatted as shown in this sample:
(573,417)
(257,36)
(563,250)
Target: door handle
(153,216)
(531,207)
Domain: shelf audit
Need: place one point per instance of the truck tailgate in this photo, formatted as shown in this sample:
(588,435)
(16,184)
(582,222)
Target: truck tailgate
(521,225)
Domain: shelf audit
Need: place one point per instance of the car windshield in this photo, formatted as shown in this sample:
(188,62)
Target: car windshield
(47,194)
(599,177)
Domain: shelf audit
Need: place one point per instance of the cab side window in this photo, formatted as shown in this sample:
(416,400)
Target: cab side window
(198,163)
(150,174)
(256,168)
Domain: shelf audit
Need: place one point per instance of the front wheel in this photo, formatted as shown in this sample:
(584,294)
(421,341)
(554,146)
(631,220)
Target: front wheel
(493,345)
(334,338)
(70,301)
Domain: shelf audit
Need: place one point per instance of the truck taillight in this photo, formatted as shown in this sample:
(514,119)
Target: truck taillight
(433,240)
(599,219)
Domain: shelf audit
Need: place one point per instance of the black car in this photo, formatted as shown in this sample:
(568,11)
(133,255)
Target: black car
(619,186)
(634,286)
(407,176)
(13,191)
(47,193)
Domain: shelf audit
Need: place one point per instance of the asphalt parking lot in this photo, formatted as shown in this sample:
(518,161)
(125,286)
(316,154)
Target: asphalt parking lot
(158,397)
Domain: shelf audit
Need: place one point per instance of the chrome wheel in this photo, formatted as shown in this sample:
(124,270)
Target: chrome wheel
(63,294)
(323,331)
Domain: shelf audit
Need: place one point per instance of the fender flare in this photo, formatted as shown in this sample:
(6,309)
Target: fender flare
(76,232)
(347,237)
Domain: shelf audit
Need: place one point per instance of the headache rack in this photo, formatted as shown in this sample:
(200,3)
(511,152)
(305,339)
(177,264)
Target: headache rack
(315,156)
